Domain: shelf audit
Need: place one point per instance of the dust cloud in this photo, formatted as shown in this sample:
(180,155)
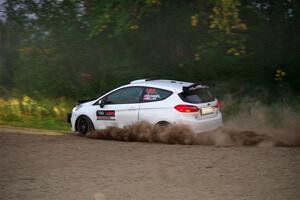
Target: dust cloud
(248,128)
(282,125)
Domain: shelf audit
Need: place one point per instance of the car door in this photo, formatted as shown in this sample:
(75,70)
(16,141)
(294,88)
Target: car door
(155,105)
(121,108)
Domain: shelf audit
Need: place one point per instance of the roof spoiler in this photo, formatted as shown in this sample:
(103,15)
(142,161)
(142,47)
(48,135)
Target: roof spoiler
(194,86)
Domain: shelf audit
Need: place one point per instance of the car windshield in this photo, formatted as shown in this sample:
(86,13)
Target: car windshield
(200,95)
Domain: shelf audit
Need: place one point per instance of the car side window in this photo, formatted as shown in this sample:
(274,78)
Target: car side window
(125,96)
(155,94)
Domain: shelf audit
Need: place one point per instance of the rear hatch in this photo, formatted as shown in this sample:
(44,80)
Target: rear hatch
(201,97)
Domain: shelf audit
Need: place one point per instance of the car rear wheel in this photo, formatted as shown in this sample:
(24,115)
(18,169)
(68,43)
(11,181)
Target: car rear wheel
(84,125)
(163,124)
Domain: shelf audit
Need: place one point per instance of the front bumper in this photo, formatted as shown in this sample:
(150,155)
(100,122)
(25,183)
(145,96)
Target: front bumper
(69,115)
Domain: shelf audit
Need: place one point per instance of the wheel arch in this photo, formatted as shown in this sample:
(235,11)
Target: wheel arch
(162,122)
(77,119)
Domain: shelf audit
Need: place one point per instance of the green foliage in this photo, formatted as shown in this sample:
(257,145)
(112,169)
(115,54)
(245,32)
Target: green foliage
(82,48)
(28,112)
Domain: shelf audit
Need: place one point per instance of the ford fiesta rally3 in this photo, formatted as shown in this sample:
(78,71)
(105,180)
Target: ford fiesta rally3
(156,101)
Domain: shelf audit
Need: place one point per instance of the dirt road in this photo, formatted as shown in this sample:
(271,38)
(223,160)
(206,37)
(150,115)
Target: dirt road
(56,166)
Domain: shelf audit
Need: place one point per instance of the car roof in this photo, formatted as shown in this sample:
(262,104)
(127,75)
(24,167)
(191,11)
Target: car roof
(163,84)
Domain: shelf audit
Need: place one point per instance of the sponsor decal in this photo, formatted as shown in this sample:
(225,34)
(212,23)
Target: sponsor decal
(100,113)
(105,115)
(151,95)
(110,113)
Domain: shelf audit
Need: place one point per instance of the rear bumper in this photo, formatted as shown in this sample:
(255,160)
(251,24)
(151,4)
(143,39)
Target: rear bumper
(203,125)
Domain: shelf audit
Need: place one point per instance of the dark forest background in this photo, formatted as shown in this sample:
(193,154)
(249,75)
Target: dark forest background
(82,48)
(78,48)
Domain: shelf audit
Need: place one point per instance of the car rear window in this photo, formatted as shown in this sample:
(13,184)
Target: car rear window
(200,95)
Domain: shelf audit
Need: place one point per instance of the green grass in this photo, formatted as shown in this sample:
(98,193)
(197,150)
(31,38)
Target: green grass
(33,122)
(31,113)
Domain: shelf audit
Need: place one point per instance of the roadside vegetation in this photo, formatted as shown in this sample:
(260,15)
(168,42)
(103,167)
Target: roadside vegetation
(51,113)
(27,112)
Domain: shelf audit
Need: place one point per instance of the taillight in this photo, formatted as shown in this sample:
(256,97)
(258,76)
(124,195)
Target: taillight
(186,108)
(219,104)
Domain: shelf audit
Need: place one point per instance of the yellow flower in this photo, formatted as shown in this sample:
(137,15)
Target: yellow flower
(194,20)
(283,73)
(14,102)
(56,110)
(243,26)
(134,27)
(25,50)
(157,2)
(14,107)
(231,50)
(25,100)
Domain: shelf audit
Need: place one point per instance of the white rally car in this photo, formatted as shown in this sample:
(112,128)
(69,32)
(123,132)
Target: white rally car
(156,101)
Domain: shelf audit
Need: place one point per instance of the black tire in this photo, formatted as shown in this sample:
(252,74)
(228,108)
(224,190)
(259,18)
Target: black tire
(84,125)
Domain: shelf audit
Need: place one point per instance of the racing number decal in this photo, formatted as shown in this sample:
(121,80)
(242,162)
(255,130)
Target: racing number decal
(105,115)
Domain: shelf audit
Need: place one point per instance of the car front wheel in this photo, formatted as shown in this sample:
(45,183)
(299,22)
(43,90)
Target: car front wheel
(84,125)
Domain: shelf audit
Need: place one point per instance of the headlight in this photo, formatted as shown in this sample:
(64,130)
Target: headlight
(73,110)
(76,108)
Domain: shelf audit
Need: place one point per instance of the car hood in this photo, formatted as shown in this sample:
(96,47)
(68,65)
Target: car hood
(85,101)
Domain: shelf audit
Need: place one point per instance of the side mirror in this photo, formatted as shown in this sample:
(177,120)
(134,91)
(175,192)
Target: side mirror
(102,103)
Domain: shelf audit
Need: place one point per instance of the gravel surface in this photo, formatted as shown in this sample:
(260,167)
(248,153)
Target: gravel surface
(60,166)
